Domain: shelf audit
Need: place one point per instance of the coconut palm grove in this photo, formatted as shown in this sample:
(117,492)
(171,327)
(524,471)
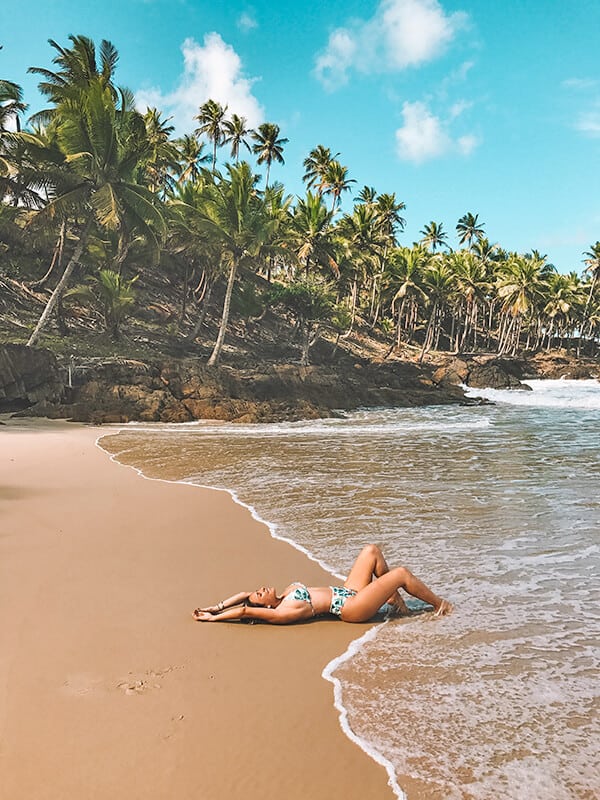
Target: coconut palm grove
(103,211)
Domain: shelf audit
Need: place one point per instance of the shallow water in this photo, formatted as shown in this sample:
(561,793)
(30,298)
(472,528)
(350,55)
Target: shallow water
(496,507)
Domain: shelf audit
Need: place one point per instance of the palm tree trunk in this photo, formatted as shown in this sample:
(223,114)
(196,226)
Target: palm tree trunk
(60,286)
(56,257)
(202,316)
(216,353)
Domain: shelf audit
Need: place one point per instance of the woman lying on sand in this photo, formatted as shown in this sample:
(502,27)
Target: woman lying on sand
(370,585)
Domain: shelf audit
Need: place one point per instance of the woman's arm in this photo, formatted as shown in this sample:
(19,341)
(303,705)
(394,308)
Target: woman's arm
(234,600)
(276,616)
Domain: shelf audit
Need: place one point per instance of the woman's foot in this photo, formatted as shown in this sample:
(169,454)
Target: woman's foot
(444,608)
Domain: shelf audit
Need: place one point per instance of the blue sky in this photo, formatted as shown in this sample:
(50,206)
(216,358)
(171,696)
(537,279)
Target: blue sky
(455,105)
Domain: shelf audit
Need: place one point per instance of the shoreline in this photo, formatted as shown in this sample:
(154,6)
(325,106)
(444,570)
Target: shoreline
(110,701)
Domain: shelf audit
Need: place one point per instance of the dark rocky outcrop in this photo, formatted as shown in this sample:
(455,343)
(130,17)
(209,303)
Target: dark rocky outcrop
(480,372)
(28,375)
(33,383)
(183,390)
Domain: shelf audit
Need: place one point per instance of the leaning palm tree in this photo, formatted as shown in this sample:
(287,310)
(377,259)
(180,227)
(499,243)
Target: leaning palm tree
(105,148)
(212,125)
(236,132)
(268,146)
(315,167)
(232,214)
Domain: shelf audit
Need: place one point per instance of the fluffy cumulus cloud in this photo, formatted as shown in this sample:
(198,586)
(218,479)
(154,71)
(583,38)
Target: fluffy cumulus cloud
(425,136)
(401,34)
(210,71)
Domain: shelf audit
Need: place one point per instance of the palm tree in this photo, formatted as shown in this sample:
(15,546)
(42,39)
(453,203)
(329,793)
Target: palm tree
(236,134)
(191,158)
(389,221)
(233,215)
(78,67)
(367,195)
(336,181)
(521,285)
(470,281)
(268,146)
(105,148)
(112,293)
(403,278)
(434,235)
(310,234)
(11,105)
(315,167)
(438,283)
(212,124)
(469,228)
(362,238)
(163,158)
(278,213)
(561,299)
(592,262)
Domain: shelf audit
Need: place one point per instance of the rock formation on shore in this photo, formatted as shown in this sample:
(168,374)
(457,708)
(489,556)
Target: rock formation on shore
(33,382)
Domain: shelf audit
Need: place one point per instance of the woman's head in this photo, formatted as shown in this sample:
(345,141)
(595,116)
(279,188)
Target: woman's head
(265,597)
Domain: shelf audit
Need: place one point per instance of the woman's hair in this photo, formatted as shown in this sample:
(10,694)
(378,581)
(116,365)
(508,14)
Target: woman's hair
(250,604)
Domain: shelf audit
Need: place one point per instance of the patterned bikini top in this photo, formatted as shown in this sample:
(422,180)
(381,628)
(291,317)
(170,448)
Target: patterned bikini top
(300,593)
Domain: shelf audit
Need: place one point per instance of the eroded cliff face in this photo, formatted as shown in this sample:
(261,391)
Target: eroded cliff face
(34,383)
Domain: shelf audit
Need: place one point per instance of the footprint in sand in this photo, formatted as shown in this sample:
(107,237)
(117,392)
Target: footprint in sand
(147,681)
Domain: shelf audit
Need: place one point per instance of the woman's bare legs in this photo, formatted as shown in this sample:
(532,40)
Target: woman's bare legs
(372,596)
(371,562)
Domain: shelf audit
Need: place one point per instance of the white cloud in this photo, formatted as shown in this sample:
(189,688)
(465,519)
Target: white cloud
(246,22)
(424,136)
(589,122)
(579,84)
(401,34)
(212,71)
(466,144)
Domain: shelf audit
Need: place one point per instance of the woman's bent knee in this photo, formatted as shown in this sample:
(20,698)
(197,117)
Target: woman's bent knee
(402,573)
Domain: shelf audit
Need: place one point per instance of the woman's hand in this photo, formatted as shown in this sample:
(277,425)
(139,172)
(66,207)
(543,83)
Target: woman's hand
(204,615)
(210,609)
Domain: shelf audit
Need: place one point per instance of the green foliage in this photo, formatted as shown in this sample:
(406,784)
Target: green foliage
(307,301)
(112,294)
(93,185)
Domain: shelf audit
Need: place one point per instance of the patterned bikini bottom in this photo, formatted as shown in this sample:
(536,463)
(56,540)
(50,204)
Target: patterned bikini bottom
(339,595)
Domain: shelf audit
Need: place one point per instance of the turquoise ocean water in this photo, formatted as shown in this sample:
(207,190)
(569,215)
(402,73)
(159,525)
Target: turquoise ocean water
(497,507)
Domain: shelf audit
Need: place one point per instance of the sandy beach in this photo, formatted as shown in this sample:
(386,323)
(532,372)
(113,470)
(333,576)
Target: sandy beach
(108,688)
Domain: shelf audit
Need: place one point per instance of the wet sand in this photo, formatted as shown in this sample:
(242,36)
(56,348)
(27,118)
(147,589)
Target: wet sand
(108,688)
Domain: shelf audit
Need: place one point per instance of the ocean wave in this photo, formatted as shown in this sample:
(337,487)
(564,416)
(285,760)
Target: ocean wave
(583,394)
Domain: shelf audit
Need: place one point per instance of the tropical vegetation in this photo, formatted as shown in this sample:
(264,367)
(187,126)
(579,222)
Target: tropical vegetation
(98,199)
